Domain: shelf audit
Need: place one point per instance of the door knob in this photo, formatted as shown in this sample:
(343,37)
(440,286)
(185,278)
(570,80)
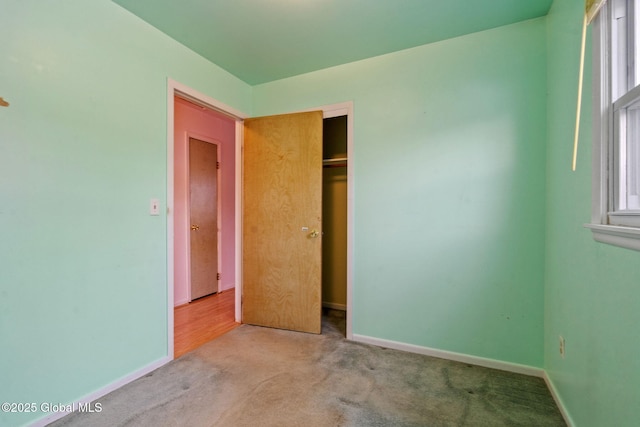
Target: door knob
(195,227)
(314,234)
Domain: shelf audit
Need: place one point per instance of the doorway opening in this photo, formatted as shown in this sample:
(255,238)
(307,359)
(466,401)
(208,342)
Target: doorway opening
(334,216)
(204,224)
(203,210)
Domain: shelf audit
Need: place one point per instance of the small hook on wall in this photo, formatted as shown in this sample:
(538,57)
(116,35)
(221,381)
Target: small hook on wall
(3,103)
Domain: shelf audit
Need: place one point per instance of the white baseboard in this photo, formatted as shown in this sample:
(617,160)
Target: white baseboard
(184,301)
(334,306)
(442,354)
(47,419)
(559,402)
(449,355)
(228,286)
(474,360)
(180,302)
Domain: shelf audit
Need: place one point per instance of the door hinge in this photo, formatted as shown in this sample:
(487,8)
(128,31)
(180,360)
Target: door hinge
(217,165)
(218,276)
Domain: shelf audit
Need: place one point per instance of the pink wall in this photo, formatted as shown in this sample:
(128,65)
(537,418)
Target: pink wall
(195,121)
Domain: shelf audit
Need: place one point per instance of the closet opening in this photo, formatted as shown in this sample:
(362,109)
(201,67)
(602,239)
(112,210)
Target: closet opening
(334,216)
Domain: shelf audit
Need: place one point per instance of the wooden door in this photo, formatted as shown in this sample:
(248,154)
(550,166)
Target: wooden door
(282,222)
(203,186)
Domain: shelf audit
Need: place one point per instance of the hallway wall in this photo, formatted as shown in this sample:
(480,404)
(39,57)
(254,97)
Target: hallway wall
(193,120)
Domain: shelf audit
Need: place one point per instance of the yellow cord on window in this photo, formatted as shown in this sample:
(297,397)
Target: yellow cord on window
(580,79)
(592,7)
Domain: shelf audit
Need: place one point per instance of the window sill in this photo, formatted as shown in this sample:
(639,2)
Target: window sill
(624,237)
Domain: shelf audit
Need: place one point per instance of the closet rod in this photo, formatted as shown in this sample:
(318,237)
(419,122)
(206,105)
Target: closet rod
(334,161)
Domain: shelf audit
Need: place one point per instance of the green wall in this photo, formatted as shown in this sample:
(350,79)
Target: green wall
(449,170)
(83,270)
(592,292)
(468,221)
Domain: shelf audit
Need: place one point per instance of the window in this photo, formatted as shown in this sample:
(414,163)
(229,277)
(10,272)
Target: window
(616,136)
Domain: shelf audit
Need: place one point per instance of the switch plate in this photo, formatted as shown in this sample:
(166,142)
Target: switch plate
(154,207)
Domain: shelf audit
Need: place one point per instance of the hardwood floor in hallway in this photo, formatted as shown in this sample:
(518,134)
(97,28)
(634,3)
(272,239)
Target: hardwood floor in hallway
(203,320)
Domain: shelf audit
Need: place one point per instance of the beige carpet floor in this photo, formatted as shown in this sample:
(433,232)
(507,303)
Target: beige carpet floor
(255,376)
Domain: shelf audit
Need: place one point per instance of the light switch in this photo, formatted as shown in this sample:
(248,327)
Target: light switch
(154,207)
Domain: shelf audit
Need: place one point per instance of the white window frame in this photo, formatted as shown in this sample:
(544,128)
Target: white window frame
(608,223)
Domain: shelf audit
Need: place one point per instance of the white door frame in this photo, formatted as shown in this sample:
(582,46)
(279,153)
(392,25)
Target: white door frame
(175,88)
